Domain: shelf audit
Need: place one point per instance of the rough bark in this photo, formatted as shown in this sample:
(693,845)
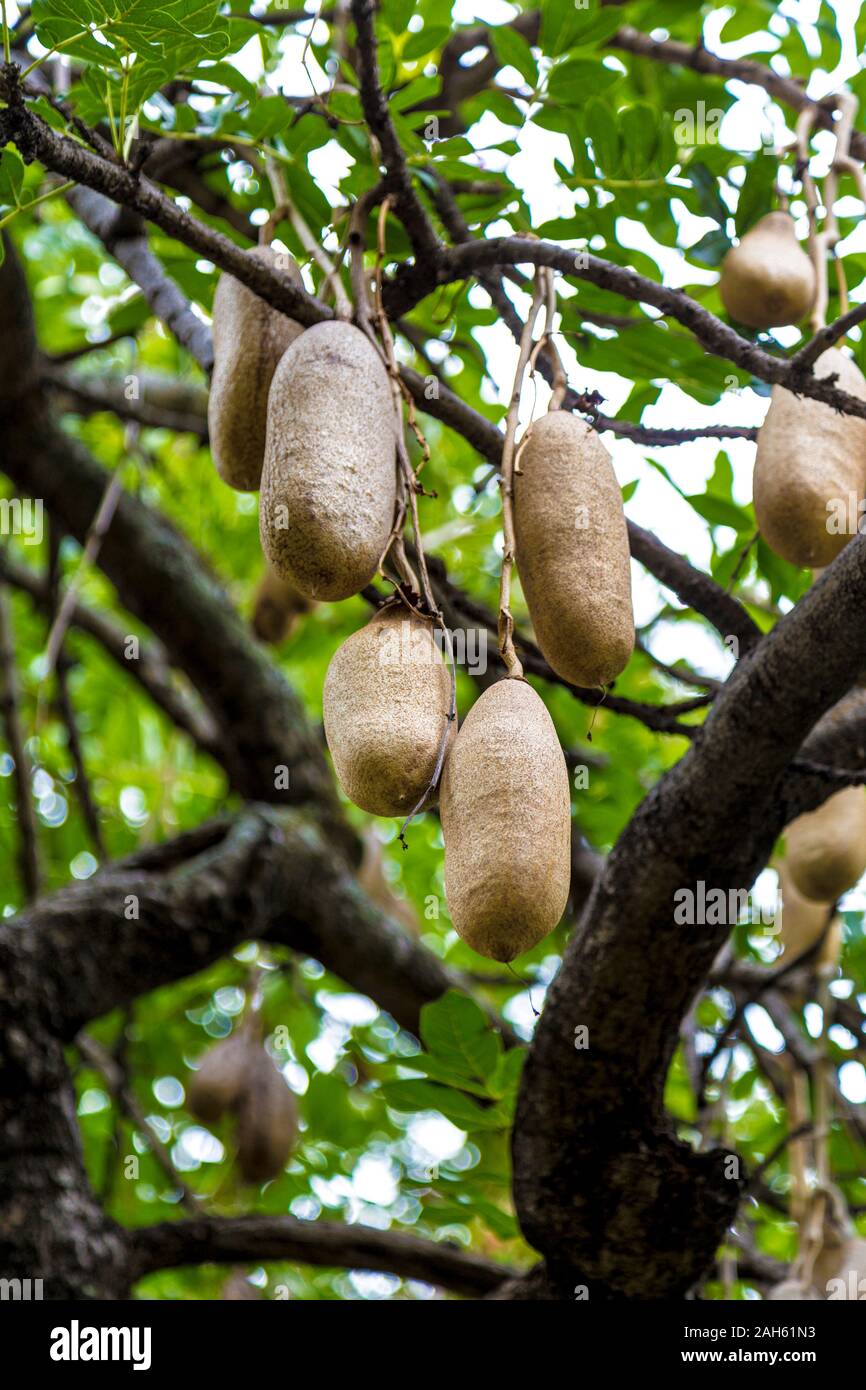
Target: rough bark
(603,1188)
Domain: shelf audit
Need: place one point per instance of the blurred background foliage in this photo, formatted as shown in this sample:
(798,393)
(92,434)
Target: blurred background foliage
(392,1136)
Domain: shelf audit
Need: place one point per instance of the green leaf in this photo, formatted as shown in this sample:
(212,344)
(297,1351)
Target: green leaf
(757,193)
(718,511)
(268,118)
(414,93)
(506,1078)
(637,128)
(602,130)
(570,83)
(565,26)
(424,42)
(226,75)
(438,1070)
(11,177)
(707,189)
(513,51)
(456,1029)
(711,249)
(413,1096)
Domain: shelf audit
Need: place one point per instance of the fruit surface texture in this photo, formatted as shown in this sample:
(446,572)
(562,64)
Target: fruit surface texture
(572,550)
(810,468)
(506,820)
(329,480)
(768,280)
(249,338)
(826,848)
(386,703)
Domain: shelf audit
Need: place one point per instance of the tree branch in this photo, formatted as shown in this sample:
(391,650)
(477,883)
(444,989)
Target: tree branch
(172,909)
(398,180)
(150,667)
(158,403)
(593,1148)
(125,239)
(327,1244)
(783,89)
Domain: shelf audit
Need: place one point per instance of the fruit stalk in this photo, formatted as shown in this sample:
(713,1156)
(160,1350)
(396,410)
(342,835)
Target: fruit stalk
(513,665)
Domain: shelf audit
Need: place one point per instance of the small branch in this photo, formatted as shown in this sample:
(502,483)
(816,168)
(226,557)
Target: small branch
(150,668)
(127,244)
(10,706)
(92,546)
(102,1062)
(66,708)
(398,180)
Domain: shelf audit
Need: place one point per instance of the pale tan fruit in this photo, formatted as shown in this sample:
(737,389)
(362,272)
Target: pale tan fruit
(277,609)
(249,338)
(826,848)
(792,1291)
(267,1120)
(329,480)
(216,1086)
(839,1272)
(572,550)
(506,820)
(768,280)
(802,923)
(386,702)
(810,469)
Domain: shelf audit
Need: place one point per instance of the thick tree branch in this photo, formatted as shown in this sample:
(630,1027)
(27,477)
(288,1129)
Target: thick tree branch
(157,402)
(171,910)
(593,1149)
(328,1244)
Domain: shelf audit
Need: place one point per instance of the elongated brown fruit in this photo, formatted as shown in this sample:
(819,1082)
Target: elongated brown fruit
(216,1086)
(386,703)
(267,1120)
(803,922)
(768,280)
(572,550)
(249,338)
(506,820)
(826,848)
(277,608)
(810,469)
(329,480)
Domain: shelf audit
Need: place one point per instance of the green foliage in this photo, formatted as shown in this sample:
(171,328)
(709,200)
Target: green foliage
(367,1092)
